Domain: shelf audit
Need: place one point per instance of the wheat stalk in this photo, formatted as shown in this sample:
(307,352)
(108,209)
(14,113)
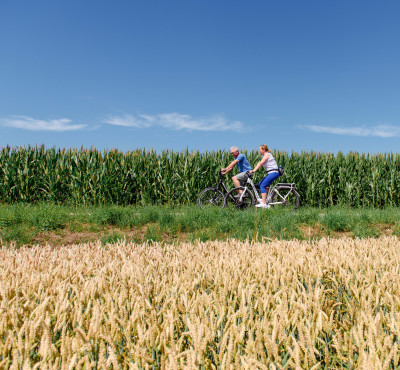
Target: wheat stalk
(304,304)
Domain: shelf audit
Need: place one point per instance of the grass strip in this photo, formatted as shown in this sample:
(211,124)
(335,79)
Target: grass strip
(23,224)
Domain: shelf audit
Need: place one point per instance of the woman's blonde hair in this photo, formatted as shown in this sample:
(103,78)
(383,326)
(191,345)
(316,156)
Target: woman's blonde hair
(265,147)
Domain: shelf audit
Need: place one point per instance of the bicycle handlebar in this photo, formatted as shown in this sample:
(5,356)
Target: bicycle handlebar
(219,173)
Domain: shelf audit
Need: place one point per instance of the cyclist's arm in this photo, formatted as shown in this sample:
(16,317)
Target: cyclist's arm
(259,164)
(229,167)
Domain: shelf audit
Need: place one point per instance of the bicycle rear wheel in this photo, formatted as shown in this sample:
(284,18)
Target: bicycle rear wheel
(285,198)
(211,197)
(233,201)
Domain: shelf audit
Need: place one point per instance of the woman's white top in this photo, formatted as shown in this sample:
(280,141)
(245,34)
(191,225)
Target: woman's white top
(270,165)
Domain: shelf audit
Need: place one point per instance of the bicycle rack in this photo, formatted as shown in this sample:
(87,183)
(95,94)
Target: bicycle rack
(285,185)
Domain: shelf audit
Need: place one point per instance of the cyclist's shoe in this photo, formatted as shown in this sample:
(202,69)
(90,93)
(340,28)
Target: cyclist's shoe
(263,205)
(259,201)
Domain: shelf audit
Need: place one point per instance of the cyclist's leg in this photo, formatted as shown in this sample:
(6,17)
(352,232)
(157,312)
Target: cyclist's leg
(240,179)
(236,181)
(263,190)
(265,183)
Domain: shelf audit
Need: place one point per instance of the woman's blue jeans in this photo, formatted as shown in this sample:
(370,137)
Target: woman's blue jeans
(267,181)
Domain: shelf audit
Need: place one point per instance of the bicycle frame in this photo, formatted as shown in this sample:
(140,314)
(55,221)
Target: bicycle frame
(275,189)
(272,190)
(221,185)
(255,192)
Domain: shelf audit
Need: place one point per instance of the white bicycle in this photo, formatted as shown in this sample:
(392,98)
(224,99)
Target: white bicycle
(280,194)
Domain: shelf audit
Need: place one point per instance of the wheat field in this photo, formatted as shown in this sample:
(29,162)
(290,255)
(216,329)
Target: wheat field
(280,304)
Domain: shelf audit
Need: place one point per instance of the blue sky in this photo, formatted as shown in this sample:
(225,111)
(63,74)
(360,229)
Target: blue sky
(319,75)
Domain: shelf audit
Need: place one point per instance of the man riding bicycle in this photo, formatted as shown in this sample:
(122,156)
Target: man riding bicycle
(243,165)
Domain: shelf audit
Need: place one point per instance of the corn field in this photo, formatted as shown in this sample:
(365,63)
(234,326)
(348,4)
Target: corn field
(145,177)
(332,303)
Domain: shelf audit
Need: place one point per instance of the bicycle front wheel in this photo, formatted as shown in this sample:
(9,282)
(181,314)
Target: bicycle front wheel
(285,198)
(234,200)
(211,197)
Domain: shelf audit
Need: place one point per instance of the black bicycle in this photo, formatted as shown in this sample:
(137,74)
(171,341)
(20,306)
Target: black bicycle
(213,196)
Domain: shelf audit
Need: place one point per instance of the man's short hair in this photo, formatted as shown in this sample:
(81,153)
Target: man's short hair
(234,149)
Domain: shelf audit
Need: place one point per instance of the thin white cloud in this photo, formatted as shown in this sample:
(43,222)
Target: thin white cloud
(31,124)
(177,121)
(129,121)
(384,131)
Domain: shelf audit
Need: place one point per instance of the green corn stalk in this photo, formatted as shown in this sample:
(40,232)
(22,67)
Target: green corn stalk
(89,176)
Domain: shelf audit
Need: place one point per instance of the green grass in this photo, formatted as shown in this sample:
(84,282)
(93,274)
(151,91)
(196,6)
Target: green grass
(40,223)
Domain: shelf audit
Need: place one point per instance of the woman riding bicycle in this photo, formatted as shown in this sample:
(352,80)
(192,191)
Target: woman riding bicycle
(269,163)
